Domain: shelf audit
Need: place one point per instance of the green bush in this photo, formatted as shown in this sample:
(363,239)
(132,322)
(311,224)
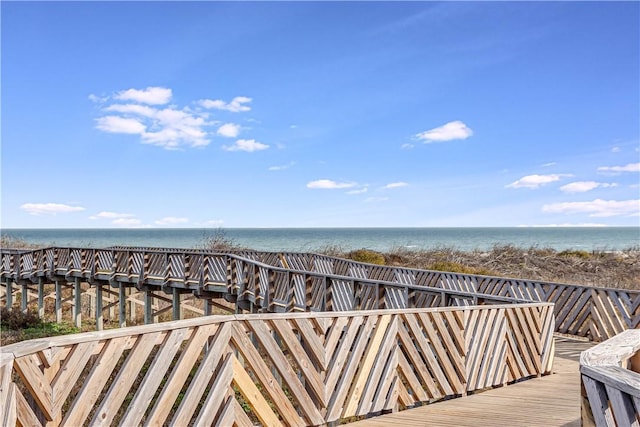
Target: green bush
(366,256)
(575,254)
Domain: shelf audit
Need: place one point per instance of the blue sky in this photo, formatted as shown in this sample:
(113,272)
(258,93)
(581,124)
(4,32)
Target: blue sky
(327,114)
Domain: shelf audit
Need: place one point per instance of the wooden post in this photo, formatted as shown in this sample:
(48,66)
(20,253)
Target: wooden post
(40,298)
(77,303)
(99,317)
(25,299)
(148,307)
(132,306)
(207,307)
(9,285)
(122,305)
(175,303)
(58,301)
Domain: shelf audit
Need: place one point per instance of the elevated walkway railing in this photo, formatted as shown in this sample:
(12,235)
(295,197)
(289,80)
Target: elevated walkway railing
(306,282)
(611,382)
(277,369)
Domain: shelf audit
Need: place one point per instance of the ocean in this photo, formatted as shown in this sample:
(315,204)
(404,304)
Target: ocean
(312,239)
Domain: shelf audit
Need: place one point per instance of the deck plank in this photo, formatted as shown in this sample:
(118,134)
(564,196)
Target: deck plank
(552,400)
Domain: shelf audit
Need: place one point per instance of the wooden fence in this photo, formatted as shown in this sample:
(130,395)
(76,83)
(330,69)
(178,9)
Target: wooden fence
(611,382)
(281,282)
(277,369)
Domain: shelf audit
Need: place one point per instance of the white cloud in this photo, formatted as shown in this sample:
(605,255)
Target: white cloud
(214,223)
(150,95)
(327,184)
(395,185)
(97,99)
(116,124)
(407,146)
(141,110)
(535,181)
(126,222)
(631,167)
(170,127)
(546,165)
(447,132)
(584,186)
(171,220)
(615,149)
(237,104)
(282,167)
(229,130)
(248,145)
(49,208)
(360,191)
(596,208)
(111,215)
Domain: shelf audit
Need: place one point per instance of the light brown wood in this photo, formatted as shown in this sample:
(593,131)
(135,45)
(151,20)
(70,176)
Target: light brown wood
(330,366)
(549,401)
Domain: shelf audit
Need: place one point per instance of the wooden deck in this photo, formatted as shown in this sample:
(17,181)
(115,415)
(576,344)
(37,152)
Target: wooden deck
(552,400)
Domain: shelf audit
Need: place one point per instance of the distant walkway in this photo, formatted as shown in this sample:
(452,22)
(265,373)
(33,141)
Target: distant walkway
(553,400)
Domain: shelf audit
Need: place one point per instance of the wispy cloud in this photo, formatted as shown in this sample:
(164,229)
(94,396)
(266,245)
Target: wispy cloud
(237,104)
(282,167)
(150,95)
(597,208)
(49,208)
(535,181)
(407,146)
(549,164)
(584,186)
(111,215)
(143,112)
(117,124)
(229,130)
(631,167)
(447,132)
(327,184)
(359,191)
(615,149)
(248,145)
(395,185)
(168,127)
(171,220)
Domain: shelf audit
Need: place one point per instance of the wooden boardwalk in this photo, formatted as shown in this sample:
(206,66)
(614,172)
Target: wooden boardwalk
(552,400)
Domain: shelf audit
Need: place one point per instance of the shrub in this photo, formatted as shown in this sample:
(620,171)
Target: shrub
(16,319)
(366,256)
(575,253)
(220,242)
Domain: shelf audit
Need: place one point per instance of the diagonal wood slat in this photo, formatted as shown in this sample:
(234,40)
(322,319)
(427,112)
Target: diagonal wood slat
(292,369)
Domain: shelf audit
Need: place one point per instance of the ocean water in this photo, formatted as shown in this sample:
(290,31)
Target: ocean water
(310,239)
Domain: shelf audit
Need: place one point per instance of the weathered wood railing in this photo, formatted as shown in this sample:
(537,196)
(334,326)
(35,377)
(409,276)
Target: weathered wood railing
(291,369)
(249,284)
(611,382)
(275,282)
(594,312)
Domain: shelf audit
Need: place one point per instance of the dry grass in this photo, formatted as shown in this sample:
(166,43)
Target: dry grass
(615,269)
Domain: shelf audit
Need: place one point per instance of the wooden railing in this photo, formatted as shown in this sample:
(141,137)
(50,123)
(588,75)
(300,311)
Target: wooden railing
(596,313)
(611,382)
(279,282)
(277,369)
